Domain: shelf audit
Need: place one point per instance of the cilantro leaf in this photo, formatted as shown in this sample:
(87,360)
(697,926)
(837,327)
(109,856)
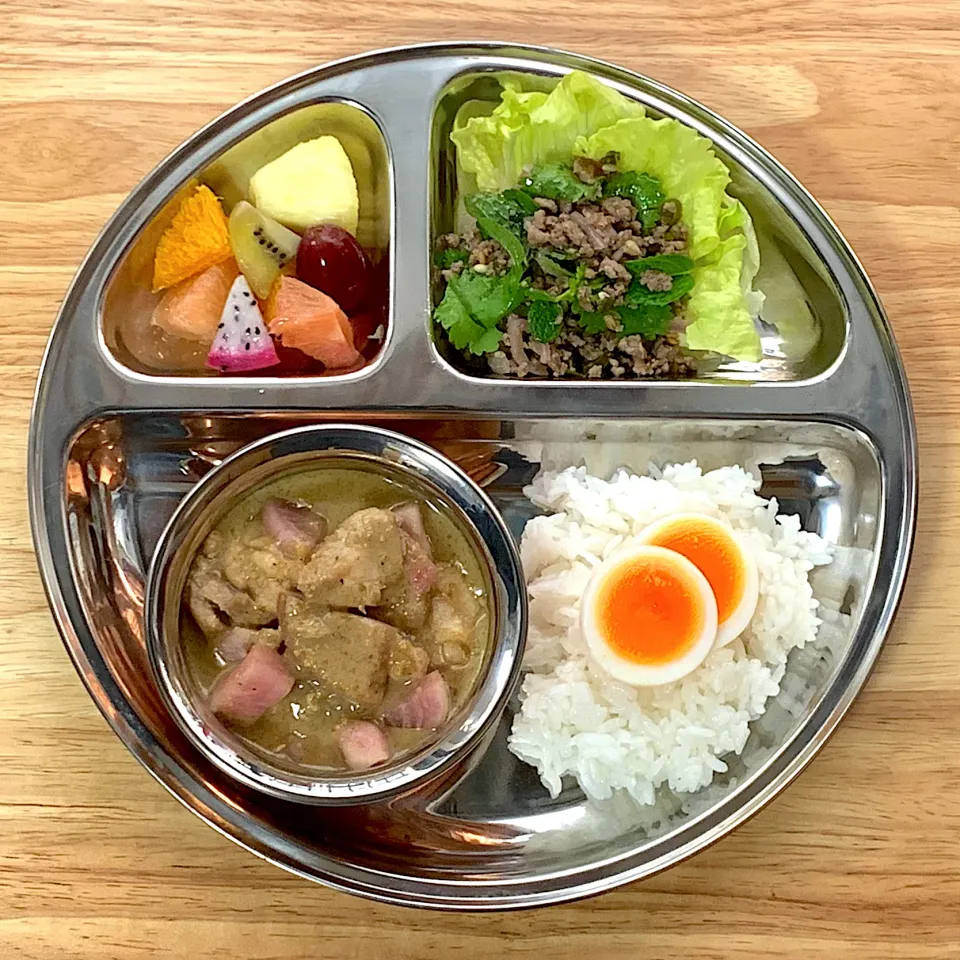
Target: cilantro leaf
(673,264)
(487,342)
(543,321)
(454,317)
(472,306)
(638,294)
(593,322)
(648,320)
(557,181)
(642,190)
(488,299)
(445,259)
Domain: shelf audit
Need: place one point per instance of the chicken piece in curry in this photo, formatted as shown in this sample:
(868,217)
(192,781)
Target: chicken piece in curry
(337,618)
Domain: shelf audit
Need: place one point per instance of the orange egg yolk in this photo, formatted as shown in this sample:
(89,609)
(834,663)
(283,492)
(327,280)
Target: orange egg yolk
(716,556)
(648,612)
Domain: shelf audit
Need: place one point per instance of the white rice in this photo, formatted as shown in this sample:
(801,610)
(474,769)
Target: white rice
(576,720)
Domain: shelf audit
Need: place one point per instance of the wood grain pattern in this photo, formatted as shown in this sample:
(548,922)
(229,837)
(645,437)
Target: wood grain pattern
(858,858)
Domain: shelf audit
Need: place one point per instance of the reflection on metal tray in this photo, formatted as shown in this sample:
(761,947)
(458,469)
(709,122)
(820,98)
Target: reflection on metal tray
(112,450)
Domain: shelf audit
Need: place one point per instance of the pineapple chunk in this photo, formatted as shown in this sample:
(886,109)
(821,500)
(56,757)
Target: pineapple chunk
(311,183)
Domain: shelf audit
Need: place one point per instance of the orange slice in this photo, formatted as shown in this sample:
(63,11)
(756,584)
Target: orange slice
(196,239)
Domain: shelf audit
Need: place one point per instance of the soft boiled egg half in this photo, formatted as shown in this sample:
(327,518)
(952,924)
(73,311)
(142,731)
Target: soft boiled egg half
(716,551)
(654,609)
(648,615)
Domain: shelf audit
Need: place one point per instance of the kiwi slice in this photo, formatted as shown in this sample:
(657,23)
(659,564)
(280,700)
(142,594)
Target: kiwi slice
(261,246)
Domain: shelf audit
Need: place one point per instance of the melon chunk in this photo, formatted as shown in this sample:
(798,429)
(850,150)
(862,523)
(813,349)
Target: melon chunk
(192,308)
(311,183)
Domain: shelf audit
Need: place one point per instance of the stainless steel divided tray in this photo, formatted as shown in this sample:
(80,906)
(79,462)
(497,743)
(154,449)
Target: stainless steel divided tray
(113,448)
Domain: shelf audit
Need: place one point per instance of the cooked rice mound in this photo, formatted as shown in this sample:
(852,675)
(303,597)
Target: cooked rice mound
(577,721)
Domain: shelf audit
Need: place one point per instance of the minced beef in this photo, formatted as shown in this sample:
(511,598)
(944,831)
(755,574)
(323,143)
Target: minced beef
(595,356)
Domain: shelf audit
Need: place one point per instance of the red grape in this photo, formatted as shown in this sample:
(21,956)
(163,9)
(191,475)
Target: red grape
(293,360)
(330,259)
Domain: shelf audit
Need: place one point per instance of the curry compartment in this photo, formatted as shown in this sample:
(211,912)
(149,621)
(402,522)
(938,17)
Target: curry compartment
(362,616)
(321,615)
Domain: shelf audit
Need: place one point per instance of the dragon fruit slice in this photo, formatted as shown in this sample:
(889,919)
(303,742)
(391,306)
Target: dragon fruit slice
(242,342)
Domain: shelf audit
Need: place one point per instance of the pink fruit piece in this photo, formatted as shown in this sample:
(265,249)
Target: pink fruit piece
(425,708)
(363,744)
(243,342)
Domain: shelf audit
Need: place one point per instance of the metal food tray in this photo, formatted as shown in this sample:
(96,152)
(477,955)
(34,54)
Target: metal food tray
(113,449)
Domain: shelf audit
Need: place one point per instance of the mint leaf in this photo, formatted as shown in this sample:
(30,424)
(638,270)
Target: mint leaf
(648,320)
(638,294)
(523,200)
(543,321)
(556,181)
(497,207)
(500,218)
(642,190)
(593,322)
(445,259)
(550,266)
(673,264)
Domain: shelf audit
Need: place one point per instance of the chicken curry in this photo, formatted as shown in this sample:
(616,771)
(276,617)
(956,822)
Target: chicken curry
(336,618)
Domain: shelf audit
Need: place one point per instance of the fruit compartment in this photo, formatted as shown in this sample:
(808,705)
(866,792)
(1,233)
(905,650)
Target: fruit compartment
(128,301)
(804,322)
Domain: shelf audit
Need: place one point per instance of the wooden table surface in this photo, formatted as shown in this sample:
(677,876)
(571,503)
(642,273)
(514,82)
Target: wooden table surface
(859,858)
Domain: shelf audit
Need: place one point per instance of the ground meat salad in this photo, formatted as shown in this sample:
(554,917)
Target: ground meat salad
(580,271)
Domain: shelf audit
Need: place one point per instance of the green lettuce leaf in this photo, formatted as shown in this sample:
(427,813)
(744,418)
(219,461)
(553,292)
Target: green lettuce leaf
(583,116)
(532,129)
(719,319)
